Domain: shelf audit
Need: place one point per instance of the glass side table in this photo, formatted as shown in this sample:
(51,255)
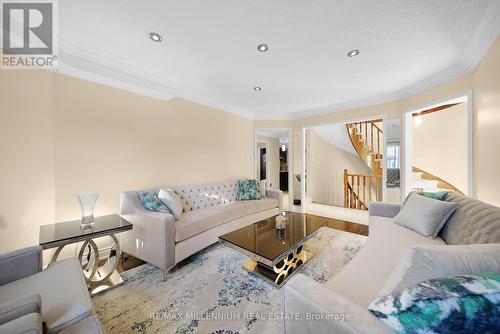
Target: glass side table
(98,277)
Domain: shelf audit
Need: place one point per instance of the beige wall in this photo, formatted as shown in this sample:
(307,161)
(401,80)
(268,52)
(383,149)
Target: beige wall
(487,117)
(439,144)
(325,170)
(26,157)
(63,135)
(273,158)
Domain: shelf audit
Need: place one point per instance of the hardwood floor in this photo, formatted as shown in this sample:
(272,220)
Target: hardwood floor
(340,224)
(128,261)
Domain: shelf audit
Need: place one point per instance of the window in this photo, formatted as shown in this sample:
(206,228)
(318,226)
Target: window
(393,156)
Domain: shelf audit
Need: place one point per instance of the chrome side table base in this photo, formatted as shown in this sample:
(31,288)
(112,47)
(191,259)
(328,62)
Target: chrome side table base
(99,278)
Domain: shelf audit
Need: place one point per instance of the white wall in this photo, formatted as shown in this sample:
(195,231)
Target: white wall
(439,144)
(325,170)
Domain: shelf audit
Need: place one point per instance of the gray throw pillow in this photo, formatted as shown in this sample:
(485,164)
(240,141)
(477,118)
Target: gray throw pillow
(425,262)
(425,215)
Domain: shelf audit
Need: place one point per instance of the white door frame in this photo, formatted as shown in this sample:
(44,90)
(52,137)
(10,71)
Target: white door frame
(289,162)
(257,160)
(406,140)
(351,120)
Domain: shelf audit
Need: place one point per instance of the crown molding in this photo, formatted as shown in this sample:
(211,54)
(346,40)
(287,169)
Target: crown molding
(485,35)
(89,65)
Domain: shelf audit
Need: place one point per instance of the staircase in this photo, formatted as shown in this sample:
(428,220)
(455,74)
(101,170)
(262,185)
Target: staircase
(359,190)
(425,181)
(366,138)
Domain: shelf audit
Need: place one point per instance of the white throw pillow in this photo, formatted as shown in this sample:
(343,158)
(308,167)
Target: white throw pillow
(172,201)
(425,262)
(425,215)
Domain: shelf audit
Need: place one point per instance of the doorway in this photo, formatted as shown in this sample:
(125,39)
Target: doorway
(344,168)
(438,147)
(273,160)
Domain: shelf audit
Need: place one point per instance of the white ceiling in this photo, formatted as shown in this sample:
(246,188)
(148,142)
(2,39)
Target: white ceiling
(209,52)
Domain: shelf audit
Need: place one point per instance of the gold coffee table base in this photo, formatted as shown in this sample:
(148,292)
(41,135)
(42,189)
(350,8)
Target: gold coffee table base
(283,270)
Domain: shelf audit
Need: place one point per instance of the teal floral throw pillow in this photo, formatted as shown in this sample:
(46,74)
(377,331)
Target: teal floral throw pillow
(460,304)
(440,195)
(151,202)
(248,190)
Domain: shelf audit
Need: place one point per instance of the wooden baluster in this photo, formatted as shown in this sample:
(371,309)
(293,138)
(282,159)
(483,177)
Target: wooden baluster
(376,189)
(353,200)
(364,189)
(358,206)
(371,149)
(370,190)
(378,141)
(366,133)
(346,187)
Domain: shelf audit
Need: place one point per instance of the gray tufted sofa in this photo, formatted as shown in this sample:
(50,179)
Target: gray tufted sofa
(358,284)
(209,210)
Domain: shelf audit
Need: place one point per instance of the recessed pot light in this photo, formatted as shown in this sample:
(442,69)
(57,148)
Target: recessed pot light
(353,53)
(257,89)
(262,47)
(155,37)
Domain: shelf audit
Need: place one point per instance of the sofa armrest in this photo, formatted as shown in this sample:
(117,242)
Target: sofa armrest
(384,209)
(278,194)
(19,307)
(20,263)
(318,309)
(29,323)
(152,238)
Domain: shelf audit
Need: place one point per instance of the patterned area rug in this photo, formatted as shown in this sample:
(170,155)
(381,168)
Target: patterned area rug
(211,293)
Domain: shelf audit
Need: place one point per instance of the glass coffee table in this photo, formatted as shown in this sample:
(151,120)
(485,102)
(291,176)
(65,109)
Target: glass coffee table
(99,277)
(274,254)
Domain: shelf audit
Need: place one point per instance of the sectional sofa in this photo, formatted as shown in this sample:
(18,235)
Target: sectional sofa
(209,210)
(352,290)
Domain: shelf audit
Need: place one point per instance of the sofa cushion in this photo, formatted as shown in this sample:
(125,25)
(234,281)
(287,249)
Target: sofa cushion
(151,202)
(425,262)
(424,215)
(199,196)
(473,222)
(201,220)
(63,292)
(24,304)
(378,257)
(27,324)
(172,201)
(458,304)
(248,190)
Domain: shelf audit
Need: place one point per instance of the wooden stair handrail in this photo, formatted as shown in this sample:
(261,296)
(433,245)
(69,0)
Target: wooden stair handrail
(359,190)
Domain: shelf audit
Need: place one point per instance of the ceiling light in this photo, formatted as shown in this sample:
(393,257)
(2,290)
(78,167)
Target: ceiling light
(257,89)
(353,53)
(156,37)
(262,47)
